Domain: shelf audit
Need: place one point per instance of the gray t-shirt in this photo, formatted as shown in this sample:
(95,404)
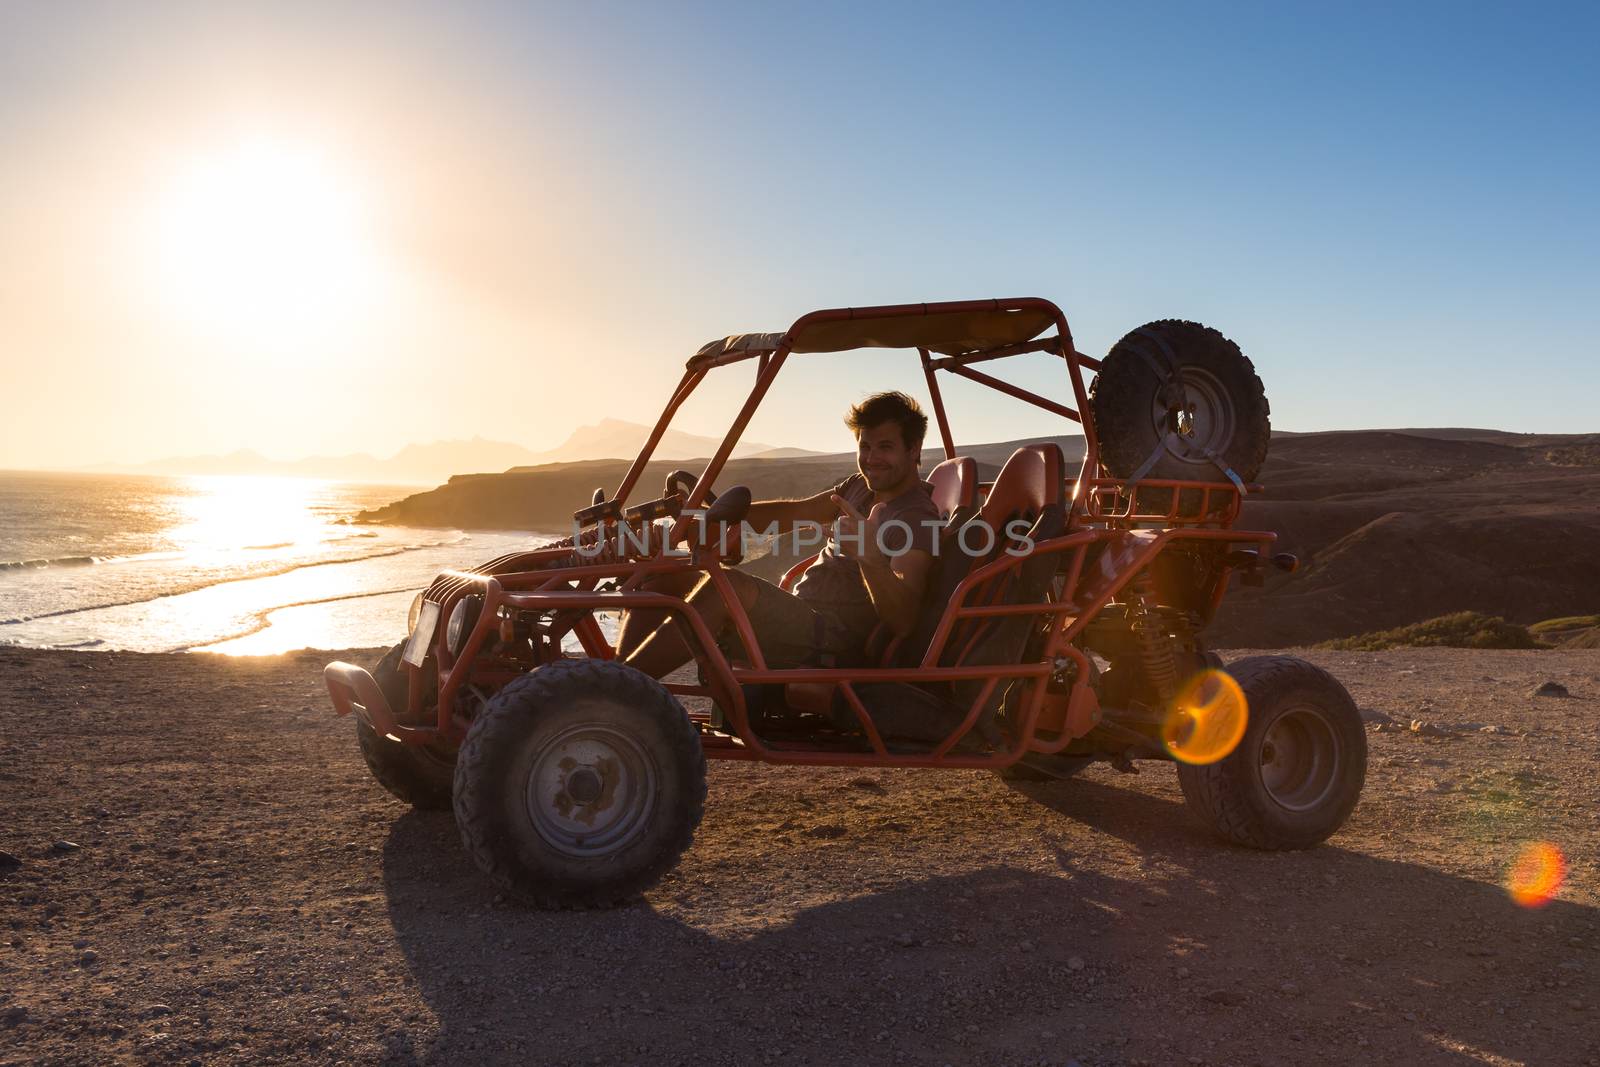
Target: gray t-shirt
(834,583)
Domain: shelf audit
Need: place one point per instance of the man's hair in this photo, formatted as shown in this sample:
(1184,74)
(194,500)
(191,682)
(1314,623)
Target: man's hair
(894,407)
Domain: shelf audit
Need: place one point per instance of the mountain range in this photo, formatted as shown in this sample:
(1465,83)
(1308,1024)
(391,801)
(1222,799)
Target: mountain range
(437,461)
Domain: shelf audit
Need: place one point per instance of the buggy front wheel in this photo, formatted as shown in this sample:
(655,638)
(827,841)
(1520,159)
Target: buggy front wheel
(420,775)
(580,784)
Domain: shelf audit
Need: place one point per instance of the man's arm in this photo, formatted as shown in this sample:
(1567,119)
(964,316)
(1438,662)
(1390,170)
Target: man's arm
(895,584)
(784,514)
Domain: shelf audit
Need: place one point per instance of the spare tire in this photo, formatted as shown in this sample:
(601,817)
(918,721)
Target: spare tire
(1177,400)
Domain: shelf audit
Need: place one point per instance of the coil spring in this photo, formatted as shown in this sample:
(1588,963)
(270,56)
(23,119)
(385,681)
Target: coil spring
(1156,648)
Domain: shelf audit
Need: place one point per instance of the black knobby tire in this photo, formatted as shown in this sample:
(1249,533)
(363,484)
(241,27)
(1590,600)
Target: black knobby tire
(422,776)
(580,784)
(1136,398)
(1297,773)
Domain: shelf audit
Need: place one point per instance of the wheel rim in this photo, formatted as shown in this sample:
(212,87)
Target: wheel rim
(591,791)
(1203,421)
(1300,757)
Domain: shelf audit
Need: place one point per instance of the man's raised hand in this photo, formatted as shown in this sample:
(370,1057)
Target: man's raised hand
(857,533)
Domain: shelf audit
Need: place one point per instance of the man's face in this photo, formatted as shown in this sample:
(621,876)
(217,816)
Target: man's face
(884,460)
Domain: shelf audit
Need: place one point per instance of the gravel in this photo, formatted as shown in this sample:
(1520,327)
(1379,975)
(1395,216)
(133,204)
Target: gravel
(945,917)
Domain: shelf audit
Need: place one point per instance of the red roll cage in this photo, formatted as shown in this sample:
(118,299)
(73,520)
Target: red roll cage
(562,589)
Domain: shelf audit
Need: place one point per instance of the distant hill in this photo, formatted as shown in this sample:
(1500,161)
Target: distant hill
(1392,527)
(616,439)
(544,497)
(436,462)
(415,464)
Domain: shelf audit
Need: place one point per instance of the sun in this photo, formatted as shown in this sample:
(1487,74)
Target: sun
(265,242)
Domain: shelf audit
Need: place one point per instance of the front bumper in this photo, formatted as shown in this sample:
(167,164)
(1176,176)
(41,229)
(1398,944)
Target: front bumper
(354,689)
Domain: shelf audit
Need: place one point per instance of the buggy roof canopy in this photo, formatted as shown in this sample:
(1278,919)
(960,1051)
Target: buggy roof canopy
(948,329)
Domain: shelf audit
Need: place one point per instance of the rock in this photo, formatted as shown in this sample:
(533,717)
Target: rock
(63,847)
(1501,730)
(1550,689)
(1227,997)
(1289,989)
(904,940)
(88,958)
(9,862)
(1375,716)
(15,1015)
(1075,963)
(155,1011)
(829,829)
(1428,729)
(867,785)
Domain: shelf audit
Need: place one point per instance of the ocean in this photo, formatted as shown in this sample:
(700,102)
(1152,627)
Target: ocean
(236,565)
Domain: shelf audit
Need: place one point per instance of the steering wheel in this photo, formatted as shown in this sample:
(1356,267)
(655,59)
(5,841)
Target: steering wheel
(686,480)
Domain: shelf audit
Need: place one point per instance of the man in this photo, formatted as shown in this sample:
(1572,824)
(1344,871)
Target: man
(856,583)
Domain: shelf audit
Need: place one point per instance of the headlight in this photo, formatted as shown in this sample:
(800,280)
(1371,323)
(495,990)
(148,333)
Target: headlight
(414,614)
(463,618)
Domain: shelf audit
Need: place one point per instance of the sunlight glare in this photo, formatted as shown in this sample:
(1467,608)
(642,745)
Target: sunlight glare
(265,242)
(1537,875)
(229,513)
(1207,718)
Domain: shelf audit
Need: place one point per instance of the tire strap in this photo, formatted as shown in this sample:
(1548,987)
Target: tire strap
(1161,343)
(1218,462)
(1155,457)
(1170,440)
(1167,374)
(1163,373)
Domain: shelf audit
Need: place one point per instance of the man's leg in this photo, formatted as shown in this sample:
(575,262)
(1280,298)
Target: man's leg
(637,624)
(669,647)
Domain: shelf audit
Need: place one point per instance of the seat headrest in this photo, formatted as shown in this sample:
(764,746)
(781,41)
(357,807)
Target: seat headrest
(1031,479)
(955,485)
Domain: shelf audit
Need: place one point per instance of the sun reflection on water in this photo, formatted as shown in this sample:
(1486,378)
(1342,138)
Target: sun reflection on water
(254,513)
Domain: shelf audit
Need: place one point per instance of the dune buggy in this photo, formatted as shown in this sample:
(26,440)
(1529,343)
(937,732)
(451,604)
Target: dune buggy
(577,780)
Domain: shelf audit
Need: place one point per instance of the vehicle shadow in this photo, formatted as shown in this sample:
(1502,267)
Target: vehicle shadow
(1185,952)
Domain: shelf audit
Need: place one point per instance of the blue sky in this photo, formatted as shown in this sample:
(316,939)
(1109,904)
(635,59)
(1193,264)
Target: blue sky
(1390,208)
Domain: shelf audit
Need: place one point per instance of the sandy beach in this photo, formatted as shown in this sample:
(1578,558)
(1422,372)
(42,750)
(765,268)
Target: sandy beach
(198,869)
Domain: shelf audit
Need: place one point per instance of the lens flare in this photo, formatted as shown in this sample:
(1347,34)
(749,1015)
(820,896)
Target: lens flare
(1207,718)
(1536,876)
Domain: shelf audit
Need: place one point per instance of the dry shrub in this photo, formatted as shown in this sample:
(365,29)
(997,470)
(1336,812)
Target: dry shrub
(1462,629)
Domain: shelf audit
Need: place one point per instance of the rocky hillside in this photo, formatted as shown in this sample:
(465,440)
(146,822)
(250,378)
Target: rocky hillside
(1393,526)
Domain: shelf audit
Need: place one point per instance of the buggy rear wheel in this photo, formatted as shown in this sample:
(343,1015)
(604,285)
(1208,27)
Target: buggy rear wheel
(420,775)
(580,784)
(1178,400)
(1297,773)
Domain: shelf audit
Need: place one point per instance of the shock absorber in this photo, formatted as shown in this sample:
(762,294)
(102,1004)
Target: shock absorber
(1156,647)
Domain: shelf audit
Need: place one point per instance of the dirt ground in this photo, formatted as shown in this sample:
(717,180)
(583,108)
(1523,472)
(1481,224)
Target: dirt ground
(198,869)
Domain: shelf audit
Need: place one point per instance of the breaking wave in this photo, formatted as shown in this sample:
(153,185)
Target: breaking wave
(195,586)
